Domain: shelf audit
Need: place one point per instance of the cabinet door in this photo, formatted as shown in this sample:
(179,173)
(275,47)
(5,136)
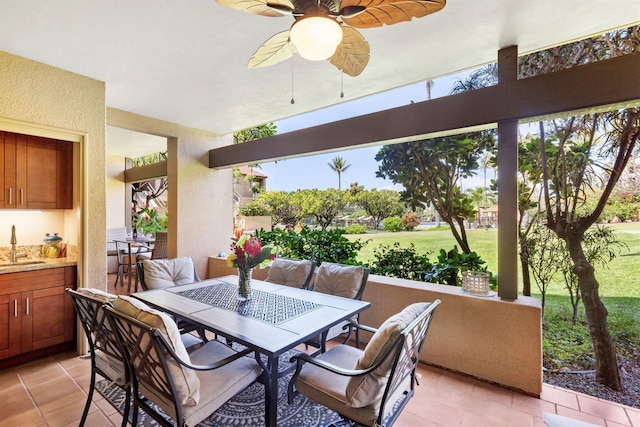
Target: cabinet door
(37,172)
(42,173)
(15,178)
(10,324)
(43,318)
(64,164)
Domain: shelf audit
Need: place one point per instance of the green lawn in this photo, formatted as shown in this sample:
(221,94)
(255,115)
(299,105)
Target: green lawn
(620,279)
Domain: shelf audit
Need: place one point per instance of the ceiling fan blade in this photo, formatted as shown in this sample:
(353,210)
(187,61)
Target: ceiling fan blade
(276,49)
(272,8)
(387,12)
(352,54)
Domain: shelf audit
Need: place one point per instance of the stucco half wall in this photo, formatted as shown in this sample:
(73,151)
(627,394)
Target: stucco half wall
(484,337)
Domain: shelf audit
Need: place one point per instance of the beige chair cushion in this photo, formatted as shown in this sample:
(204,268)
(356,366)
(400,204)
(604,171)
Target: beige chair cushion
(365,390)
(186,381)
(165,273)
(340,280)
(328,389)
(219,385)
(289,272)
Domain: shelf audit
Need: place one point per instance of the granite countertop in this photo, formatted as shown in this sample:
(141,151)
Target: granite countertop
(35,260)
(32,264)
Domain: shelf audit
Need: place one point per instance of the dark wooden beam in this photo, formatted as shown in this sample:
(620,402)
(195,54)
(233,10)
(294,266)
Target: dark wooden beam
(508,183)
(606,83)
(146,172)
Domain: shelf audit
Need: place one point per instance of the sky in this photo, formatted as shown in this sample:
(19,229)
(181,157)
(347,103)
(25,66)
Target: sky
(314,171)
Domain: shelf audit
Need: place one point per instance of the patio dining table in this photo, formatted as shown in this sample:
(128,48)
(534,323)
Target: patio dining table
(126,252)
(274,320)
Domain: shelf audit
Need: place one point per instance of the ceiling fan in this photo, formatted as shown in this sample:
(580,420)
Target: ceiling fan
(326,29)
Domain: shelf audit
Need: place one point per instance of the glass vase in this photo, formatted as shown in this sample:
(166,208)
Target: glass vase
(244,283)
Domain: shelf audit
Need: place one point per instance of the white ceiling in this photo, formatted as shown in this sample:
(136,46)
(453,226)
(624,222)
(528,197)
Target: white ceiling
(126,143)
(185,61)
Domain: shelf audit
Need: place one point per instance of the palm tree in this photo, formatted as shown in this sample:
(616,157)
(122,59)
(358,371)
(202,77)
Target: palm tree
(486,162)
(478,196)
(338,165)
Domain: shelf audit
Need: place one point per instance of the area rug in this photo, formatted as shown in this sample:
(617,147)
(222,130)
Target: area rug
(245,409)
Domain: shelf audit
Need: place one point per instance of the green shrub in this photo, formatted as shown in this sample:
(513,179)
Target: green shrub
(314,245)
(148,221)
(356,229)
(254,208)
(410,221)
(451,264)
(404,263)
(392,224)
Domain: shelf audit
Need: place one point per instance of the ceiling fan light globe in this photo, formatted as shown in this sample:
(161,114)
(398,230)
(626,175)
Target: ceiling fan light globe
(316,37)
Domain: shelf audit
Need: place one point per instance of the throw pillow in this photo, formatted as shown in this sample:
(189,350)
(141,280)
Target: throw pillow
(164,273)
(289,272)
(367,389)
(341,280)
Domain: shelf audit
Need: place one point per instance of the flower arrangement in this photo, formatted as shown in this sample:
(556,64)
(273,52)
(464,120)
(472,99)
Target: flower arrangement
(248,252)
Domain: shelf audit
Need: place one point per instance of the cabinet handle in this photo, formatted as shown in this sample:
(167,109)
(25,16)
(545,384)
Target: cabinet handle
(10,195)
(15,307)
(21,197)
(27,306)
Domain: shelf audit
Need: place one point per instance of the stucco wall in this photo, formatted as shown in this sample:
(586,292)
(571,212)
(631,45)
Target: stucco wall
(252,223)
(200,199)
(51,102)
(485,337)
(115,191)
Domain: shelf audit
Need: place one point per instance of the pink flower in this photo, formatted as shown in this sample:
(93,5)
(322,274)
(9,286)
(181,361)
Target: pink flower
(252,246)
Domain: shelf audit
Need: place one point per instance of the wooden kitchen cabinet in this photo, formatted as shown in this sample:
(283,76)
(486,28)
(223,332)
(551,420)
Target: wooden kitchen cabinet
(38,172)
(36,315)
(10,307)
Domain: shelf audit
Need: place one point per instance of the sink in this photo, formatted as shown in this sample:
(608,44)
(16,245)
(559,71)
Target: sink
(16,264)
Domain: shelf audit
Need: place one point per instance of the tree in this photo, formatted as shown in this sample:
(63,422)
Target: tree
(257,132)
(478,197)
(379,204)
(486,161)
(338,165)
(354,188)
(150,190)
(483,77)
(601,246)
(284,208)
(323,205)
(584,149)
(530,175)
(544,255)
(430,169)
(251,134)
(572,171)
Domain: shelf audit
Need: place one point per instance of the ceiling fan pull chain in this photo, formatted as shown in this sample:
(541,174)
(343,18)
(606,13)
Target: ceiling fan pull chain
(293,101)
(341,84)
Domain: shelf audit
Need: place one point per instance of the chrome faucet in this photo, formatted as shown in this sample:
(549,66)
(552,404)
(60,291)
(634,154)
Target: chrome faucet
(14,255)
